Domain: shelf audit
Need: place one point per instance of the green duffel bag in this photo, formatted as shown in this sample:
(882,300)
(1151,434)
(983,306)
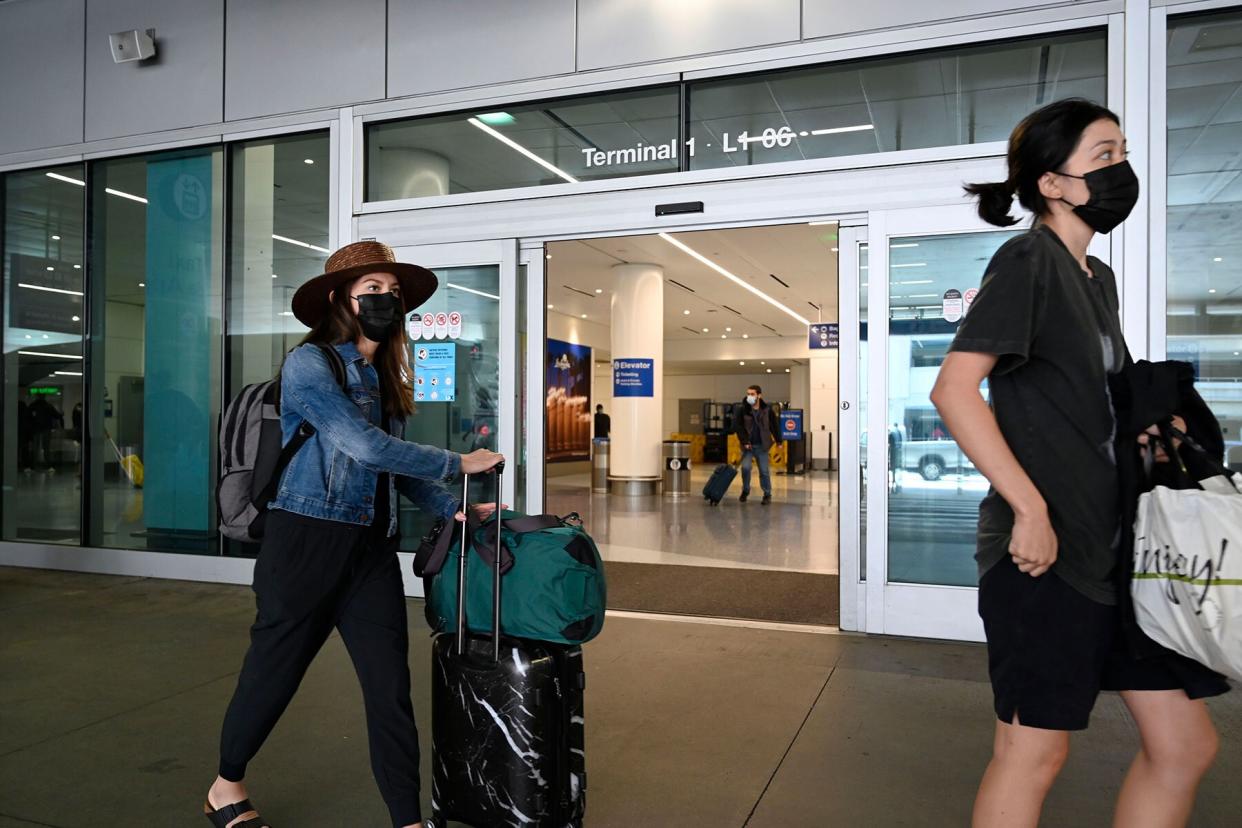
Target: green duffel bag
(552,585)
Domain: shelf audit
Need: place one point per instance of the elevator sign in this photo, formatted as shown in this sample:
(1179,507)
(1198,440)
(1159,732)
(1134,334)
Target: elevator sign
(633,377)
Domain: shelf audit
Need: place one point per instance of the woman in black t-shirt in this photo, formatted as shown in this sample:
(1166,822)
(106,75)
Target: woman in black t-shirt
(1044,331)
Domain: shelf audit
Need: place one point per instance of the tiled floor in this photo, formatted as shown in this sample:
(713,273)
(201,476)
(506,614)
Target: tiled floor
(798,532)
(112,690)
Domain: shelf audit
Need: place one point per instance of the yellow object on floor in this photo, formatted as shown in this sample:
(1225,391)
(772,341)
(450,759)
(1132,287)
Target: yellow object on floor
(779,453)
(696,442)
(133,469)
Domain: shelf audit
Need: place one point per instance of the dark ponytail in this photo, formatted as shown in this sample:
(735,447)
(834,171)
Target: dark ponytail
(1041,143)
(995,202)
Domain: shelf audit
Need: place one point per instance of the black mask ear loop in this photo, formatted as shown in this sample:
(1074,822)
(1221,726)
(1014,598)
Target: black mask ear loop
(1071,205)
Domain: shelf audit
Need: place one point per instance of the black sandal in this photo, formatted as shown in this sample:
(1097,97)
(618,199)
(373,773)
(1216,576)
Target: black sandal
(223,816)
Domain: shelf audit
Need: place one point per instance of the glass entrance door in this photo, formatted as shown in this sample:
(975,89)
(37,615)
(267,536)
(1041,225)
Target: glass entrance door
(465,356)
(923,493)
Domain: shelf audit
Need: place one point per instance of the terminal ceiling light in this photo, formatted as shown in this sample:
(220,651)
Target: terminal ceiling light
(741,282)
(686,312)
(599,290)
(786,370)
(548,256)
(834,250)
(77,319)
(741,362)
(123,194)
(724,336)
(274,276)
(67,373)
(728,330)
(1211,290)
(911,264)
(497,118)
(77,267)
(706,330)
(509,142)
(45,354)
(745,336)
(308,160)
(47,289)
(50,269)
(142,284)
(472,290)
(1217,259)
(584,316)
(918,282)
(903,244)
(288,240)
(66,179)
(769,370)
(763,362)
(57,238)
(551,307)
(839,130)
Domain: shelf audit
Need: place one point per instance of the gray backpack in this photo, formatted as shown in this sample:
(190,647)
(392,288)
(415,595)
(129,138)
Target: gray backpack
(251,457)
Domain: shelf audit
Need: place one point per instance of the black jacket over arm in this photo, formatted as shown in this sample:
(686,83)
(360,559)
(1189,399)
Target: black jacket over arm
(1145,393)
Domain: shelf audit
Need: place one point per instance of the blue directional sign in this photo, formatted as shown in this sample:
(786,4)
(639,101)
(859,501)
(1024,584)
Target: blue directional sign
(435,372)
(633,377)
(823,335)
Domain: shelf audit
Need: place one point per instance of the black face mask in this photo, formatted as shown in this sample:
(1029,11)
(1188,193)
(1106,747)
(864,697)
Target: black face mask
(379,314)
(1114,190)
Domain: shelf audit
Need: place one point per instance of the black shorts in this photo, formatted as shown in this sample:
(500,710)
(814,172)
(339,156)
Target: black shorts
(1051,650)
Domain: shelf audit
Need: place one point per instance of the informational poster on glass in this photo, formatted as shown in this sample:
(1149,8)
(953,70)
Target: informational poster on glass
(435,372)
(568,401)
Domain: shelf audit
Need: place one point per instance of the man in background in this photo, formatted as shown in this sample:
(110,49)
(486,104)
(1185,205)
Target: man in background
(757,430)
(603,423)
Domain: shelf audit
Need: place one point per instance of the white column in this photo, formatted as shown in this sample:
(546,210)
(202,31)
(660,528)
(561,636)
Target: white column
(637,336)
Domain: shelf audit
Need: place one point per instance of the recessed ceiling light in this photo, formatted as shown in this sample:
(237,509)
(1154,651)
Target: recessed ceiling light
(786,370)
(28,336)
(45,336)
(686,312)
(308,160)
(50,269)
(724,336)
(548,256)
(599,290)
(584,316)
(77,267)
(834,250)
(705,330)
(745,336)
(741,362)
(142,284)
(273,275)
(1211,290)
(769,370)
(1217,259)
(77,319)
(57,238)
(728,330)
(550,307)
(762,362)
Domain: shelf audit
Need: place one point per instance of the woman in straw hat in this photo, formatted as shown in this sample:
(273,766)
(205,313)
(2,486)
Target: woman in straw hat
(328,558)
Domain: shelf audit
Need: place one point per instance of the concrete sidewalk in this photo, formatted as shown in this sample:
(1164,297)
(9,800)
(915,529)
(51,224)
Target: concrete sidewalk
(112,691)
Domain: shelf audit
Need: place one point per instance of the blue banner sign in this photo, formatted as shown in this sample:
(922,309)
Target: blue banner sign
(824,335)
(435,372)
(791,424)
(633,377)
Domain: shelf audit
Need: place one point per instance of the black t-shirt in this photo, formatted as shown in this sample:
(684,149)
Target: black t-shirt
(1057,334)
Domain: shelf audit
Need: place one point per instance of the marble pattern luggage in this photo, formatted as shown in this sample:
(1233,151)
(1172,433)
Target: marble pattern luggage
(507,731)
(718,484)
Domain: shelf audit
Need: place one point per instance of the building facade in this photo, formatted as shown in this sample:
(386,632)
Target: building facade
(159,214)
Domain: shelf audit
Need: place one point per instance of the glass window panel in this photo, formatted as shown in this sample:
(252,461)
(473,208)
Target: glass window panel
(156,276)
(278,241)
(583,139)
(934,490)
(468,421)
(935,99)
(1204,224)
(44,215)
(863,282)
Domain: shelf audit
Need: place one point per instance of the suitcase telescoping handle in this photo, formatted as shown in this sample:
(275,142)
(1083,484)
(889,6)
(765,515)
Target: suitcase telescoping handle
(461,570)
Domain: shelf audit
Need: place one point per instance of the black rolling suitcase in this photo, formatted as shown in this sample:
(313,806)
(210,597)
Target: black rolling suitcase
(718,484)
(507,735)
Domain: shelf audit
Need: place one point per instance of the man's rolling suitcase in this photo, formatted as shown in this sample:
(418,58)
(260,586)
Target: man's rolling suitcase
(507,735)
(718,484)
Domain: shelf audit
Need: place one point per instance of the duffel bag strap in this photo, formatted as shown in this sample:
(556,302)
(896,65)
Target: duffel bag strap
(434,550)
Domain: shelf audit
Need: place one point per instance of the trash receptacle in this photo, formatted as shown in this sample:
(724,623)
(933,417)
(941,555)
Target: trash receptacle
(676,468)
(599,464)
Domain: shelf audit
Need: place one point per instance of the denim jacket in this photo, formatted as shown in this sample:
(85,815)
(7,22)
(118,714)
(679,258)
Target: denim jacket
(333,476)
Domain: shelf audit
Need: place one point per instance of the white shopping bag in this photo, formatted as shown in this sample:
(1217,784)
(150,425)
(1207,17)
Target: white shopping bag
(1187,585)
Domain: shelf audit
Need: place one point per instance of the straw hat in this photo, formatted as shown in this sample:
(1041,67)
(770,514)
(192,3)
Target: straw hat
(310,303)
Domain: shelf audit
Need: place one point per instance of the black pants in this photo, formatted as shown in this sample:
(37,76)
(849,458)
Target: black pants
(313,575)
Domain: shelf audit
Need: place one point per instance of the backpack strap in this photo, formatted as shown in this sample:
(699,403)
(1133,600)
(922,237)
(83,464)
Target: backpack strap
(305,430)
